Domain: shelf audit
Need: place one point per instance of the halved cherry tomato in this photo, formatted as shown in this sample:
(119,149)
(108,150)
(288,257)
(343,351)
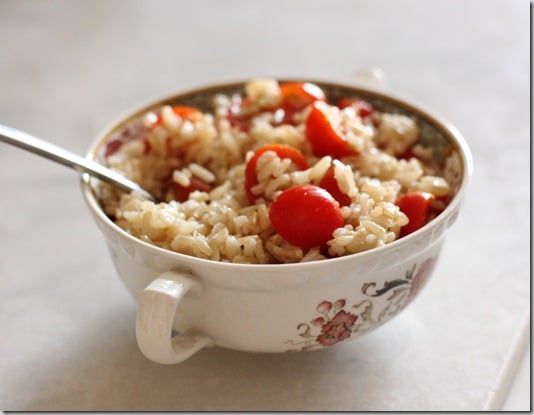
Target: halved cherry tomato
(324,134)
(148,146)
(364,108)
(407,155)
(238,116)
(306,216)
(181,193)
(298,95)
(283,151)
(112,147)
(295,97)
(184,112)
(418,207)
(329,183)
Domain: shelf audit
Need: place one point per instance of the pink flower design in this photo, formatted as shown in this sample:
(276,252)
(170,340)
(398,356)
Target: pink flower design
(339,304)
(335,324)
(324,307)
(337,329)
(318,322)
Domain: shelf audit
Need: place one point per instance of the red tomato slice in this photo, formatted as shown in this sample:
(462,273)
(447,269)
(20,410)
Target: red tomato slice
(181,193)
(283,151)
(295,97)
(323,135)
(418,207)
(112,147)
(329,183)
(407,155)
(148,146)
(306,216)
(364,108)
(298,95)
(184,112)
(238,116)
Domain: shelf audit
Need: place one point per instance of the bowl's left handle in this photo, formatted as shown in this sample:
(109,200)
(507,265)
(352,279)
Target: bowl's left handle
(157,307)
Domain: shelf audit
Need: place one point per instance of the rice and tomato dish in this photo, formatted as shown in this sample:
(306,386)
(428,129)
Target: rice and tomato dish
(277,174)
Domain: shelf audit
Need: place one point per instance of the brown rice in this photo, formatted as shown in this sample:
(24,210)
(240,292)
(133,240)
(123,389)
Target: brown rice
(219,222)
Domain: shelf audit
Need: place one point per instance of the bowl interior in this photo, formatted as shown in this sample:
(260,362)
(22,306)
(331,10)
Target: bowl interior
(439,135)
(450,153)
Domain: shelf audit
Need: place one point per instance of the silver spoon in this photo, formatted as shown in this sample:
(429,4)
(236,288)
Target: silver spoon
(35,145)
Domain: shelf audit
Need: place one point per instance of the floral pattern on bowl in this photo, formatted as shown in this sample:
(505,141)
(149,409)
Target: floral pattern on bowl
(338,321)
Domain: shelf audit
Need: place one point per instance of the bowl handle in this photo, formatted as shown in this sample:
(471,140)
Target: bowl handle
(158,303)
(374,78)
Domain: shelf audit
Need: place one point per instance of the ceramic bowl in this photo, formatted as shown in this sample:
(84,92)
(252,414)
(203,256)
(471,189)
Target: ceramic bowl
(187,303)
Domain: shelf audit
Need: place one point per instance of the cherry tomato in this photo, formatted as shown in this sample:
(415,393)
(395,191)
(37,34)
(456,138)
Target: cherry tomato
(298,95)
(295,97)
(238,116)
(283,151)
(324,135)
(148,146)
(306,216)
(329,183)
(364,108)
(407,155)
(184,112)
(112,147)
(181,193)
(418,207)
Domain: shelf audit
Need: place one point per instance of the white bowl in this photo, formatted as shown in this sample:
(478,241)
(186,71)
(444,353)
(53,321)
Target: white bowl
(187,303)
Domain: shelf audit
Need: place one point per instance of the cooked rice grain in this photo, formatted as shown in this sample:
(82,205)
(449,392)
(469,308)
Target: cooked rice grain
(221,224)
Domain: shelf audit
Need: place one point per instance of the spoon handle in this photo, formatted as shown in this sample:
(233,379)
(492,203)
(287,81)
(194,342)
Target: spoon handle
(35,145)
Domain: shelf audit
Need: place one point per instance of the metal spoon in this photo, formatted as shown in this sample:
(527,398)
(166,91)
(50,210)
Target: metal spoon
(35,145)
